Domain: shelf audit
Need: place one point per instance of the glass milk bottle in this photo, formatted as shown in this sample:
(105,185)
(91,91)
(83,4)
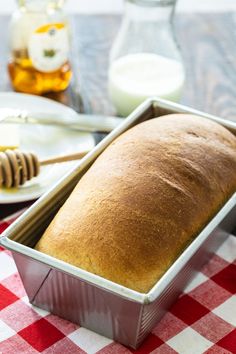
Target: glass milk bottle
(39,47)
(145,60)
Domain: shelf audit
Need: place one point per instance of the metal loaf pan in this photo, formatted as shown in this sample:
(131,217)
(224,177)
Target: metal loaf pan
(89,300)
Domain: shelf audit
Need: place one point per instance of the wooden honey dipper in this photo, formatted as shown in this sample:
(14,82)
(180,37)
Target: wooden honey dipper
(17,167)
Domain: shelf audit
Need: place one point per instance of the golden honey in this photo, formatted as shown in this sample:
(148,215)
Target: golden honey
(26,78)
(39,47)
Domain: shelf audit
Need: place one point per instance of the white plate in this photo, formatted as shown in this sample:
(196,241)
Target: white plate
(45,142)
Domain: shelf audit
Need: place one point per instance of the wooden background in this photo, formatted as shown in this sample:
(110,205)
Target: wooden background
(207,41)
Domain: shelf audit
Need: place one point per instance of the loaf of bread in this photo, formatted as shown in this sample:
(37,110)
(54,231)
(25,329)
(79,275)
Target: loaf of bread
(145,199)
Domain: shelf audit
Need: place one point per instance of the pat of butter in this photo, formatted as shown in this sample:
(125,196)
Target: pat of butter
(9,136)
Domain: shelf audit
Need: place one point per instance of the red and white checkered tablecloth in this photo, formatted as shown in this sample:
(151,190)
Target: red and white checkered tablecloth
(203,320)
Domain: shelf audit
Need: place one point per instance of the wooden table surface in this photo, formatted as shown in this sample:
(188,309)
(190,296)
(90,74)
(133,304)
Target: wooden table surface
(207,41)
(208,45)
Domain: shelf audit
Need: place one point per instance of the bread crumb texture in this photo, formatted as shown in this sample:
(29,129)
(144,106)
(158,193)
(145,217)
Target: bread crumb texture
(144,199)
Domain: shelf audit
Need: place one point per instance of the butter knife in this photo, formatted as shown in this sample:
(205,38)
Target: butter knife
(73,120)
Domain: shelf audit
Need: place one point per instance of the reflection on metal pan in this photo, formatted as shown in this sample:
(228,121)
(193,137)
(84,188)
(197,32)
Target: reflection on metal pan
(94,302)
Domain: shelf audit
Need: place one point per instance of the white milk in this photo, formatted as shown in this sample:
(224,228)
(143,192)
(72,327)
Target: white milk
(135,77)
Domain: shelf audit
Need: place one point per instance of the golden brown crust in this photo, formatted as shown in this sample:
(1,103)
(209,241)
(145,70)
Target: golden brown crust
(144,199)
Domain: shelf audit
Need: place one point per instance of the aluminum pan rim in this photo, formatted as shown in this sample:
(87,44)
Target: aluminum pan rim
(97,280)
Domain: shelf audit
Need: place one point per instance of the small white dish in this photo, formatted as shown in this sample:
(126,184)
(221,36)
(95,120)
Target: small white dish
(45,141)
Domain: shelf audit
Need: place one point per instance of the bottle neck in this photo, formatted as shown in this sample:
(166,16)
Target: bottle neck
(149,10)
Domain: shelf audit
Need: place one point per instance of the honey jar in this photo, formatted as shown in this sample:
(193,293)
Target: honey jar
(39,47)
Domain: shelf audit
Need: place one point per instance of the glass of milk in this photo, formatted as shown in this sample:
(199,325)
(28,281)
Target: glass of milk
(145,60)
